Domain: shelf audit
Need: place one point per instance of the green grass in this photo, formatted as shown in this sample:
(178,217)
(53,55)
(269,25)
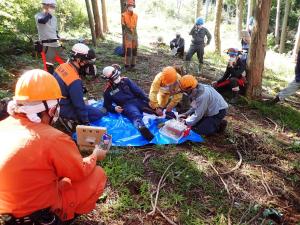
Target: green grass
(285,115)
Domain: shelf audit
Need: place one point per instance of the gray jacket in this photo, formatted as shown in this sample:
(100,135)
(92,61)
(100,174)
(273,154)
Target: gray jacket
(198,35)
(205,101)
(47,28)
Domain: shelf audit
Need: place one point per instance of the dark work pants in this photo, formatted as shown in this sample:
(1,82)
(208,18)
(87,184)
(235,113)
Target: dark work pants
(133,110)
(195,48)
(209,125)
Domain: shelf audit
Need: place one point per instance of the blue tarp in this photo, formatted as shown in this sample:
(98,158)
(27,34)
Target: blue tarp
(125,134)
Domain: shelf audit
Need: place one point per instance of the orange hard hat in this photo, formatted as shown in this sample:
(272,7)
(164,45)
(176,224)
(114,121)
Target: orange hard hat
(187,82)
(130,2)
(37,85)
(169,75)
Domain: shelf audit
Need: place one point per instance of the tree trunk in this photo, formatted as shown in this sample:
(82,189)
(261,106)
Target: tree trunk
(284,26)
(199,8)
(207,2)
(258,47)
(98,27)
(277,32)
(122,5)
(297,42)
(104,16)
(91,21)
(239,17)
(218,17)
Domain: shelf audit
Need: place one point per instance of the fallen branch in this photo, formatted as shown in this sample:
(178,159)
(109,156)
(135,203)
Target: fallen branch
(267,187)
(225,185)
(246,117)
(276,126)
(237,165)
(158,189)
(147,156)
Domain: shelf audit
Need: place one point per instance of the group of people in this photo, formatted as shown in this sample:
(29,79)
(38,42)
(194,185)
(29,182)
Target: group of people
(43,177)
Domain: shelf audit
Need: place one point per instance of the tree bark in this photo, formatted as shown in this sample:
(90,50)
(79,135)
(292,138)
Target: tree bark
(199,8)
(104,16)
(297,42)
(284,26)
(277,31)
(91,21)
(258,47)
(207,2)
(122,5)
(239,17)
(218,17)
(98,27)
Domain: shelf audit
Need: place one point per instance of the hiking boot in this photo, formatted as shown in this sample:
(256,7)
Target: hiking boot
(222,126)
(146,133)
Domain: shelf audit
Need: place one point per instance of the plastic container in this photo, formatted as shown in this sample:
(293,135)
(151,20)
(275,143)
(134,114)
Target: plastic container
(173,129)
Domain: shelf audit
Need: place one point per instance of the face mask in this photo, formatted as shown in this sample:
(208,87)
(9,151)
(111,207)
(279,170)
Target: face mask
(118,80)
(130,8)
(51,11)
(232,59)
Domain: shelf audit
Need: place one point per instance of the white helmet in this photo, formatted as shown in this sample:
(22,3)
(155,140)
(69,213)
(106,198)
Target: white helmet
(80,48)
(112,73)
(107,71)
(49,2)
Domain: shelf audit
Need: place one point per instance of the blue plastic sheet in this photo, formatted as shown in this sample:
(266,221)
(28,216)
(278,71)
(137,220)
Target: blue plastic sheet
(125,134)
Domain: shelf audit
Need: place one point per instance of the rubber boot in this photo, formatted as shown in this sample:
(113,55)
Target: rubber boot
(146,133)
(222,126)
(235,97)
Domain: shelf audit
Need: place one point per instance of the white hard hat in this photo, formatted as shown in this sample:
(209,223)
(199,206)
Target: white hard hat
(49,2)
(80,48)
(107,71)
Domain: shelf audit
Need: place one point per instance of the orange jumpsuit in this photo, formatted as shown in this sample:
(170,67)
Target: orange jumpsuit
(41,167)
(129,22)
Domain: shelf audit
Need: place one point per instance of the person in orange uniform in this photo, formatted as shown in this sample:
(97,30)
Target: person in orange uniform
(43,177)
(165,91)
(129,23)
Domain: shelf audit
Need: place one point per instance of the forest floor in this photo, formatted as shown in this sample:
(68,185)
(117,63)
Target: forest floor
(241,176)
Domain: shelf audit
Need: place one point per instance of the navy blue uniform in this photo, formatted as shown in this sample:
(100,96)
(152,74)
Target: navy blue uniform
(130,97)
(73,106)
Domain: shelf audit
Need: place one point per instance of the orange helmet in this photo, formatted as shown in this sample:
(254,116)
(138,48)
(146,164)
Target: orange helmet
(130,3)
(37,85)
(187,82)
(169,75)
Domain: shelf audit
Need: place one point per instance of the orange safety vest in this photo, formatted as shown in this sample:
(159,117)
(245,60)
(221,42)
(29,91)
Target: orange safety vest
(67,73)
(129,20)
(34,159)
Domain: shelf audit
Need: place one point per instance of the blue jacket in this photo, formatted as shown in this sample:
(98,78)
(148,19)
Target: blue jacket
(123,93)
(72,106)
(297,69)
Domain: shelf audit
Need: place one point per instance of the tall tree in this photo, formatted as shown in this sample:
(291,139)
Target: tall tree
(104,16)
(277,31)
(207,2)
(258,46)
(218,18)
(91,21)
(239,17)
(199,8)
(98,27)
(284,26)
(297,42)
(250,10)
(122,5)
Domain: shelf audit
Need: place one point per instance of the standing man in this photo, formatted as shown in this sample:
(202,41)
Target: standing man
(198,33)
(43,177)
(293,87)
(49,46)
(72,106)
(129,22)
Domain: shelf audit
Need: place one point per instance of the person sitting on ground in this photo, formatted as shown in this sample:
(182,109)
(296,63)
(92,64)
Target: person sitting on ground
(234,77)
(245,41)
(208,107)
(177,46)
(130,100)
(293,87)
(48,45)
(198,44)
(72,106)
(43,177)
(164,91)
